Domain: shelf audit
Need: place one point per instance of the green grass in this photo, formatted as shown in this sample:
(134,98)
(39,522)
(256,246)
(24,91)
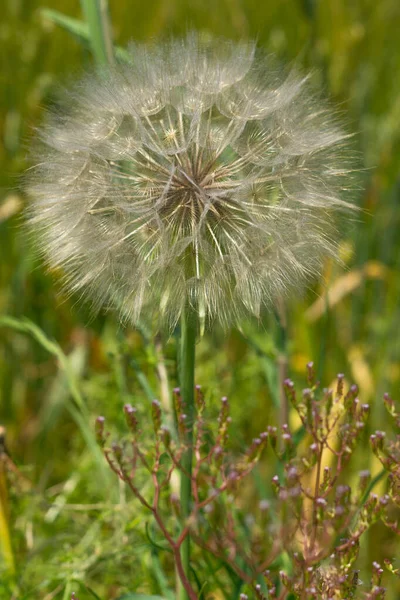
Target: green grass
(70,519)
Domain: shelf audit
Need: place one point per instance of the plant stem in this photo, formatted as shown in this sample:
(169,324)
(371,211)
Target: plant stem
(282,363)
(97,18)
(187,361)
(5,536)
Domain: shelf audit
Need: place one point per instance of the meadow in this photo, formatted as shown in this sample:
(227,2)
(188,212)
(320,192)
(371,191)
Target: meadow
(68,525)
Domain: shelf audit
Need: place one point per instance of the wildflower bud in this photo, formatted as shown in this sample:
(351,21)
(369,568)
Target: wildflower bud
(130,416)
(166,436)
(312,456)
(182,427)
(349,554)
(272,435)
(243,597)
(99,431)
(254,451)
(340,381)
(365,477)
(321,505)
(270,583)
(178,402)
(350,397)
(321,502)
(377,441)
(287,444)
(310,374)
(156,416)
(285,580)
(390,406)
(364,412)
(257,446)
(223,420)
(290,392)
(275,483)
(368,510)
(225,405)
(326,480)
(384,500)
(377,573)
(199,398)
(390,567)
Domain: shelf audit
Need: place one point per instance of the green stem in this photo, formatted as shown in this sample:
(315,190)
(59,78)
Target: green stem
(5,535)
(187,361)
(97,18)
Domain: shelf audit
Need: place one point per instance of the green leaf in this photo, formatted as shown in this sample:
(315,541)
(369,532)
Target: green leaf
(79,30)
(98,20)
(74,403)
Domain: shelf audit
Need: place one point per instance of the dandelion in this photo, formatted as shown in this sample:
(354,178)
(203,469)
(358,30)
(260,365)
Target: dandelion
(196,175)
(195,181)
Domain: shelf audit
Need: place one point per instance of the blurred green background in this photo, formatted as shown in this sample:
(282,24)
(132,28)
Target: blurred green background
(70,520)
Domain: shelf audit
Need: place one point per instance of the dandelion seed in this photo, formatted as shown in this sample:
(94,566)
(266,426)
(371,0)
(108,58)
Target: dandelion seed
(196,174)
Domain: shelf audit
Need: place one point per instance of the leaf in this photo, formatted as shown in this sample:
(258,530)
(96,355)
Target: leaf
(79,30)
(74,403)
(97,17)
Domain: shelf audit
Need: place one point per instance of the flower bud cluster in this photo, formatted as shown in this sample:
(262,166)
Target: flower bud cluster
(312,521)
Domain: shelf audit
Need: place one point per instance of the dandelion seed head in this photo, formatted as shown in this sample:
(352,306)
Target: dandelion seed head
(197,173)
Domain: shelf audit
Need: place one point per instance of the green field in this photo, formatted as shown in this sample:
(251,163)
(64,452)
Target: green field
(67,524)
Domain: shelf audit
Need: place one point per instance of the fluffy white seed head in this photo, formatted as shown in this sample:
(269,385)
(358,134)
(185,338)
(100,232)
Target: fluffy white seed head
(197,173)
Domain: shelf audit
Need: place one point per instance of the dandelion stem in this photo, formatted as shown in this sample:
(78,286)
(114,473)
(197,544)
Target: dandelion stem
(187,361)
(282,362)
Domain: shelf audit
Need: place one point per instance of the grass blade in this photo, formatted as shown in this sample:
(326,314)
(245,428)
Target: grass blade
(77,407)
(97,18)
(79,30)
